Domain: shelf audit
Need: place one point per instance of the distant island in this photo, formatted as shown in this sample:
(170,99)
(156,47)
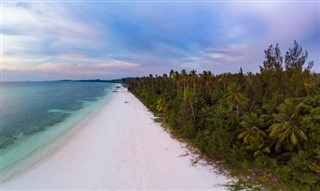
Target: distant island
(93,80)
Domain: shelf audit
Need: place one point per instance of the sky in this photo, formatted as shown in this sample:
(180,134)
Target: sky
(52,40)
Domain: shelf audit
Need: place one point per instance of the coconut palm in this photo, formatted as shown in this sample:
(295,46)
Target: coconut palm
(184,77)
(251,132)
(176,79)
(193,78)
(171,75)
(162,106)
(206,78)
(308,85)
(225,80)
(204,117)
(187,96)
(252,135)
(287,124)
(151,80)
(235,97)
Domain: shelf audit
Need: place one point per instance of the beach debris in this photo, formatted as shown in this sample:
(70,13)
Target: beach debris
(194,161)
(184,155)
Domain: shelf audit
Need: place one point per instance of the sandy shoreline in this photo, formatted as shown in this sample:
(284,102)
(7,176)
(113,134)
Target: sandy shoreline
(121,147)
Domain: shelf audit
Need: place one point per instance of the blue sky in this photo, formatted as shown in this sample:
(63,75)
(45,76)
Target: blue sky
(111,39)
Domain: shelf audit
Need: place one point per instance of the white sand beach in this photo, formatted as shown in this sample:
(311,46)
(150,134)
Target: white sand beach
(121,147)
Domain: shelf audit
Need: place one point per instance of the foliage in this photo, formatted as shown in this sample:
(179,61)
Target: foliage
(264,125)
(286,124)
(241,185)
(162,106)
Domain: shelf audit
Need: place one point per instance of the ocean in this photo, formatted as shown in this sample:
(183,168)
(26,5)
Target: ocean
(36,118)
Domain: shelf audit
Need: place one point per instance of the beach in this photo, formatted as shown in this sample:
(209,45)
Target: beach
(120,147)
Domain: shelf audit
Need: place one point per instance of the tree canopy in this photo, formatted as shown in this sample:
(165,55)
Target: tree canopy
(266,124)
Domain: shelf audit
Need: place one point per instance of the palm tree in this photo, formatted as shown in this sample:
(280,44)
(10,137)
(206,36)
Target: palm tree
(308,85)
(251,132)
(162,106)
(184,77)
(176,79)
(171,75)
(206,77)
(225,80)
(193,78)
(204,117)
(287,126)
(235,98)
(188,98)
(151,79)
(252,135)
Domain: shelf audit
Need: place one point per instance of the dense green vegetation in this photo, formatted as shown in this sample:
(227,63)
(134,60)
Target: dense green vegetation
(264,125)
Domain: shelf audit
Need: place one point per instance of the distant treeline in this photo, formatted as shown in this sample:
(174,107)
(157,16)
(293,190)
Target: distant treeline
(95,80)
(265,126)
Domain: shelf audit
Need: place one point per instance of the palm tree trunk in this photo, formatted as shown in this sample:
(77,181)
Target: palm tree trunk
(173,84)
(194,87)
(177,87)
(237,106)
(152,87)
(208,88)
(191,105)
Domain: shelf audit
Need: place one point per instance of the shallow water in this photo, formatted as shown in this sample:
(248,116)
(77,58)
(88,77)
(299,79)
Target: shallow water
(34,115)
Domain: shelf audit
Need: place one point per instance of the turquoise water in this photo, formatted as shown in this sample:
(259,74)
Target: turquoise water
(36,115)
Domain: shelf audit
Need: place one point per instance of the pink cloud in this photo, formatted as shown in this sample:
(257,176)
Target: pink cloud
(80,69)
(117,64)
(106,68)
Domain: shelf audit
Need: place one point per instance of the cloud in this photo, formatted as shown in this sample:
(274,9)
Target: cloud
(106,70)
(24,5)
(49,26)
(45,19)
(67,39)
(70,71)
(117,64)
(281,21)
(236,32)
